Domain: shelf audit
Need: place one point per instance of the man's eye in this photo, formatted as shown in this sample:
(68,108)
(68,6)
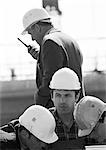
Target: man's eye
(32,27)
(67,95)
(58,95)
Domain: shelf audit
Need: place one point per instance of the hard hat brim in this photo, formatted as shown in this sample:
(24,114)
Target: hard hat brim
(43,20)
(88,131)
(51,139)
(82,133)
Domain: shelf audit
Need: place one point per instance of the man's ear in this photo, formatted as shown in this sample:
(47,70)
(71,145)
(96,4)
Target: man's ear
(77,96)
(24,134)
(38,28)
(51,93)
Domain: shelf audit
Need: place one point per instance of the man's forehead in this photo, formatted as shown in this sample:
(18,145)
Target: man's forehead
(63,91)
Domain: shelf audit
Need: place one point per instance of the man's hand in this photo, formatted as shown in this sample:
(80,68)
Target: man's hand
(5,136)
(33,51)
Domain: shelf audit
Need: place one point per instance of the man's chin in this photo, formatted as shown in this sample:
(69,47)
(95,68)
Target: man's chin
(63,110)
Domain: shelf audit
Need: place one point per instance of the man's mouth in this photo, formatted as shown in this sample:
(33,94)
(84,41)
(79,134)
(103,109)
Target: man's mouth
(63,106)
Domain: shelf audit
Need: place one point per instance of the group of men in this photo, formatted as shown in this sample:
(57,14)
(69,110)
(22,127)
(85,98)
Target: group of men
(68,125)
(62,117)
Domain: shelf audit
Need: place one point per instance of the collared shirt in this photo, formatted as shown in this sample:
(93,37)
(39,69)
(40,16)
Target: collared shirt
(64,132)
(68,137)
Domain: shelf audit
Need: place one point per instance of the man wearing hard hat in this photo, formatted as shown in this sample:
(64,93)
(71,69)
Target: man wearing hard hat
(57,50)
(34,130)
(65,91)
(90,115)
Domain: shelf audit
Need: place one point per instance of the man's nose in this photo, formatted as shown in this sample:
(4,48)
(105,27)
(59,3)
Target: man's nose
(62,99)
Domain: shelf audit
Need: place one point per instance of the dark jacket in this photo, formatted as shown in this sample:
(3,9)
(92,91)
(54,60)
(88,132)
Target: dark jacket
(58,50)
(67,139)
(12,127)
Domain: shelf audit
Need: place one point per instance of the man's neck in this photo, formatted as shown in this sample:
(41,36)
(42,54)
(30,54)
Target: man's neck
(47,30)
(67,119)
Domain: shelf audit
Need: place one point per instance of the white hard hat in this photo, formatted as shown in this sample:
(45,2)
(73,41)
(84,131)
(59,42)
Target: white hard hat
(87,112)
(33,16)
(40,122)
(66,79)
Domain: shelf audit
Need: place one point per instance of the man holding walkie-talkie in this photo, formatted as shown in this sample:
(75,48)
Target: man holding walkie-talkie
(57,50)
(34,53)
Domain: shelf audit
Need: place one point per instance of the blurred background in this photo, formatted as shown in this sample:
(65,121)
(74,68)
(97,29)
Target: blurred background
(84,20)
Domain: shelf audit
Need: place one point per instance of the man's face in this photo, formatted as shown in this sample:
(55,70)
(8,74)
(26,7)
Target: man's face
(35,33)
(30,142)
(64,101)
